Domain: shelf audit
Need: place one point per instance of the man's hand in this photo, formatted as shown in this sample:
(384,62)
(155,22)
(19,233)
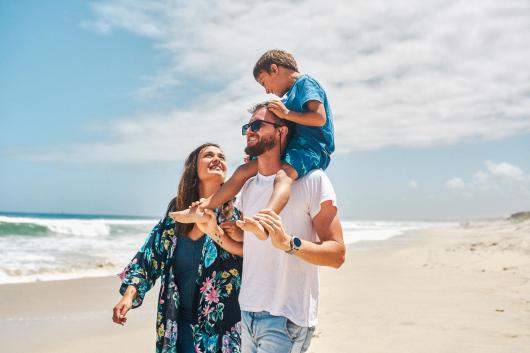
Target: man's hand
(278,108)
(272,222)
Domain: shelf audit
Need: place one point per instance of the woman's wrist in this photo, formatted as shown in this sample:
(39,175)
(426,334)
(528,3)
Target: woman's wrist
(218,236)
(130,292)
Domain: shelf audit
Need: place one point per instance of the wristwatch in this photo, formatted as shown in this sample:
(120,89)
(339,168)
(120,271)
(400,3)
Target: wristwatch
(295,243)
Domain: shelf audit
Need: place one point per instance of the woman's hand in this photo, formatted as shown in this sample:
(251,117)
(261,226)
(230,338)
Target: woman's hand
(210,227)
(124,305)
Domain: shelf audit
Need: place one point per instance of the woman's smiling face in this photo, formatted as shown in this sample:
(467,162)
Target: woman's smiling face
(211,164)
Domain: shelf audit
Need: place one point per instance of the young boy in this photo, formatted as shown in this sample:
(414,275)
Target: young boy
(306,105)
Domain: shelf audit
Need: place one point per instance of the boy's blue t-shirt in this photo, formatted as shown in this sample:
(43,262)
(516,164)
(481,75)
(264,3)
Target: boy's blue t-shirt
(303,90)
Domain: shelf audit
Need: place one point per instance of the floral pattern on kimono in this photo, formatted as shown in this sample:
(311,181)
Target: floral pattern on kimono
(216,325)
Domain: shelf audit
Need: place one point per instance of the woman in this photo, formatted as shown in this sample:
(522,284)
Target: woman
(200,275)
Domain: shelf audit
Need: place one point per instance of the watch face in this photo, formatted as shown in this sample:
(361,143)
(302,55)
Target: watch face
(297,242)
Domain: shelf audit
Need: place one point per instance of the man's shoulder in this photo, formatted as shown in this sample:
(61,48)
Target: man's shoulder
(316,175)
(314,188)
(248,184)
(313,182)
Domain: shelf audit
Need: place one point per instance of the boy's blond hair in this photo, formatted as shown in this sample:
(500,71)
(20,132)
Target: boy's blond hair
(274,56)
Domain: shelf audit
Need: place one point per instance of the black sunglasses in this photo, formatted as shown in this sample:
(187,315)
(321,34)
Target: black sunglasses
(256,125)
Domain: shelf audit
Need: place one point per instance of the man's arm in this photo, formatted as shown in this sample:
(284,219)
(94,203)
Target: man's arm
(329,251)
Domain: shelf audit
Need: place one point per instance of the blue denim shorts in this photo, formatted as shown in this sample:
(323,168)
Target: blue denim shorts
(272,334)
(303,157)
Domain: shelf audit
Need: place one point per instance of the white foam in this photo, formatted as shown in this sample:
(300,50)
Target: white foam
(57,276)
(75,248)
(74,226)
(356,231)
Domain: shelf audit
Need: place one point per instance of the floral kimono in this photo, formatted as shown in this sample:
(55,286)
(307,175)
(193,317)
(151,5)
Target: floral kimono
(216,325)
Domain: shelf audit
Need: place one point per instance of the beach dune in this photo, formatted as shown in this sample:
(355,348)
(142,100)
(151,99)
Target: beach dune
(459,289)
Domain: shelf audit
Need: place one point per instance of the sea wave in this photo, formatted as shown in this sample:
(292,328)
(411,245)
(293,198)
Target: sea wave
(27,229)
(21,226)
(50,248)
(64,247)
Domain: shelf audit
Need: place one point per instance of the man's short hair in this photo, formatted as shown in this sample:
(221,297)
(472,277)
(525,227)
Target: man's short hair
(274,56)
(258,106)
(263,105)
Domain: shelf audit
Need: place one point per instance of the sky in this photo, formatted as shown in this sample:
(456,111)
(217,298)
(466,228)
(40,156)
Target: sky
(100,101)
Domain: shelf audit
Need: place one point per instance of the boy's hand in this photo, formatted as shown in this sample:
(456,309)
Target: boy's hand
(278,108)
(253,226)
(232,230)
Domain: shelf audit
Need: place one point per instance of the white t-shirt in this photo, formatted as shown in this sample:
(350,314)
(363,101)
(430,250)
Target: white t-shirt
(273,280)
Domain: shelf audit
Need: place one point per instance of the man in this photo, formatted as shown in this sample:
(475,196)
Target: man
(280,284)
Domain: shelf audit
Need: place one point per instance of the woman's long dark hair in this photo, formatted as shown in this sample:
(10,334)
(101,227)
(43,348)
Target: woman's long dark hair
(188,189)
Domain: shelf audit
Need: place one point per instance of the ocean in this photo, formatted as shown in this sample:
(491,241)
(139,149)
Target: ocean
(44,247)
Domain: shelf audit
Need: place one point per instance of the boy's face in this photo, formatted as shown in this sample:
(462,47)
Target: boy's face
(271,81)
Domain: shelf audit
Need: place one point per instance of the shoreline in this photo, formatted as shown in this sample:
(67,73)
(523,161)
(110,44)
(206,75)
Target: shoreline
(109,268)
(435,290)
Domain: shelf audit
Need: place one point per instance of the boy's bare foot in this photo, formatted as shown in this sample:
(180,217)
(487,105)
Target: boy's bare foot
(253,226)
(191,215)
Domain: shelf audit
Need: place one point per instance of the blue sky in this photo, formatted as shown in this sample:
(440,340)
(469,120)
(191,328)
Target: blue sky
(100,101)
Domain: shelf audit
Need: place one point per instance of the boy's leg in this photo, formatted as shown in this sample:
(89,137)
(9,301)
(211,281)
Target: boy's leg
(227,192)
(232,186)
(298,160)
(190,215)
(282,188)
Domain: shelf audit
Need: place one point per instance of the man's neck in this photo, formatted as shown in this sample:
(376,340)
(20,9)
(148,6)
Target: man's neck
(269,162)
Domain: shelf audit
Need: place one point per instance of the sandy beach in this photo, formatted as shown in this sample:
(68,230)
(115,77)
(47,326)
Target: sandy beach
(462,289)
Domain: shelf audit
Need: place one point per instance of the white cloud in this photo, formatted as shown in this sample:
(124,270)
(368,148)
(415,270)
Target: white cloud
(502,177)
(455,184)
(157,86)
(408,73)
(413,184)
(504,170)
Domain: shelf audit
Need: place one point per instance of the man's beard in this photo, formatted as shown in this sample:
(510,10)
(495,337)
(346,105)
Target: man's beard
(264,144)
